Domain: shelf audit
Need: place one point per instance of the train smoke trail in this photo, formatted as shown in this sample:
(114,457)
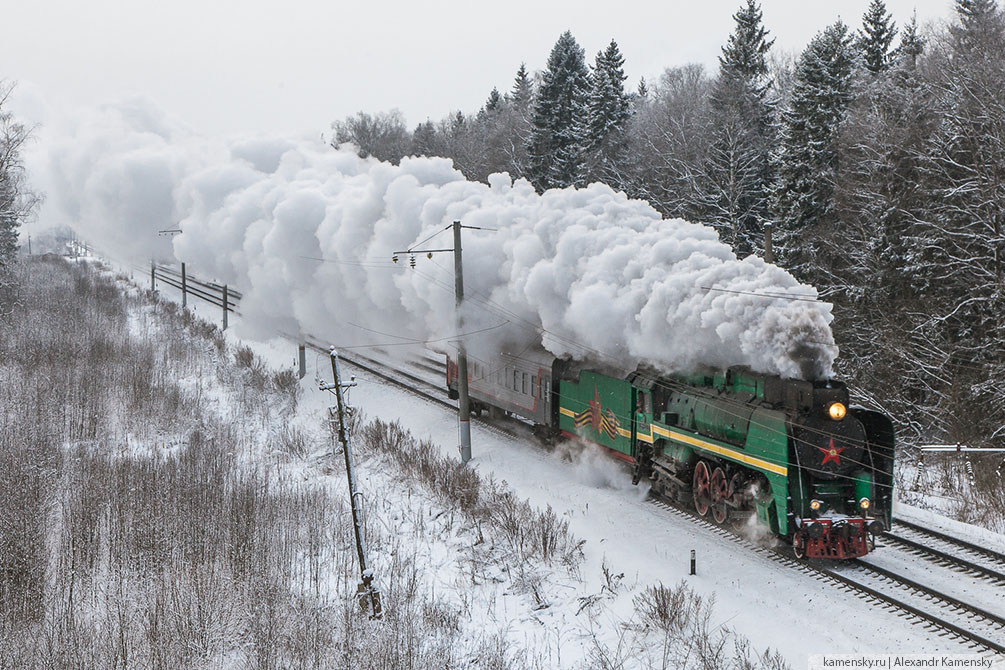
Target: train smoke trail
(585,272)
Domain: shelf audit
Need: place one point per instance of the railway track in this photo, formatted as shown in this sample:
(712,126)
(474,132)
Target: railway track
(948,612)
(949,551)
(412,383)
(971,625)
(925,606)
(416,384)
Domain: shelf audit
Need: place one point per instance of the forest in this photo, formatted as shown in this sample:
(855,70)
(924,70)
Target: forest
(876,157)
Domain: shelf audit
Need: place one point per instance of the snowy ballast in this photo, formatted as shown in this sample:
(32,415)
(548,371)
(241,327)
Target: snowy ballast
(587,273)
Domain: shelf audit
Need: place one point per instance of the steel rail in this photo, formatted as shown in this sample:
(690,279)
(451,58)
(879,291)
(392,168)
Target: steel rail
(969,546)
(411,383)
(946,558)
(781,556)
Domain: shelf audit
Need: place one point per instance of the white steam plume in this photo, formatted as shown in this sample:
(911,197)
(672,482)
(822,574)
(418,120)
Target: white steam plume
(588,273)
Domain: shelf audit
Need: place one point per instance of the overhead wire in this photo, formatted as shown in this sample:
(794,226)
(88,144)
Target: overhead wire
(487,303)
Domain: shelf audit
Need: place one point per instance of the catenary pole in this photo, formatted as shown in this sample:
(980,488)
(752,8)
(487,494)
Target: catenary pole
(463,402)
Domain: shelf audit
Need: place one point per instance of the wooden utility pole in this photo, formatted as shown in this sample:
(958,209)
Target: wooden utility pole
(153,285)
(184,288)
(769,252)
(366,591)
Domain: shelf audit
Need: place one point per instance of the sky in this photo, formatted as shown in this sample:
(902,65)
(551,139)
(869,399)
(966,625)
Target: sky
(228,68)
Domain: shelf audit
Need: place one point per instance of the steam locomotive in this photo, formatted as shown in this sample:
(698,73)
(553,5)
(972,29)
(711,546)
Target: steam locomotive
(742,447)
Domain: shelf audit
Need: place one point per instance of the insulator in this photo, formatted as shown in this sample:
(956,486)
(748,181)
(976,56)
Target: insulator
(411,260)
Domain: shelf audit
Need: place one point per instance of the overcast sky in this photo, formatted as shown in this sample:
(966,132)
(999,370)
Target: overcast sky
(225,67)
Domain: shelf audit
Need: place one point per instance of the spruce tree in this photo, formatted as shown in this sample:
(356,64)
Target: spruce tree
(745,52)
(980,26)
(806,162)
(878,31)
(424,140)
(494,101)
(523,92)
(973,12)
(609,109)
(912,44)
(608,105)
(870,257)
(557,137)
(731,188)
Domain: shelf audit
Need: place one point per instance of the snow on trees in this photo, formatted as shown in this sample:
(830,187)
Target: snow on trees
(732,185)
(960,234)
(522,93)
(912,44)
(609,105)
(806,161)
(558,134)
(17,200)
(878,31)
(382,135)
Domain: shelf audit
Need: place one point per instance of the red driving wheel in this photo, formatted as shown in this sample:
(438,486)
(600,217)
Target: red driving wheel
(700,486)
(719,494)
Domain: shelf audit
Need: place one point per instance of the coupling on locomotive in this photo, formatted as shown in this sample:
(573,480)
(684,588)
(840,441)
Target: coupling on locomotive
(742,447)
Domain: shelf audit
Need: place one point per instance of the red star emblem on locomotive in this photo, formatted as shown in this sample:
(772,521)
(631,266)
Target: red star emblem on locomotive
(831,453)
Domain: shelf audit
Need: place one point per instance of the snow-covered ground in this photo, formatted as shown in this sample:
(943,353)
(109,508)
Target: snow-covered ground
(770,604)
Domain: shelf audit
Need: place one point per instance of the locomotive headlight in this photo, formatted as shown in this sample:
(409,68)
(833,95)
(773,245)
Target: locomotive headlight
(815,505)
(864,503)
(837,411)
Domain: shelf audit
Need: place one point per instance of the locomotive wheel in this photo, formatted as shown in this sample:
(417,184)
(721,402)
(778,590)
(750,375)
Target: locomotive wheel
(719,492)
(736,484)
(700,485)
(798,548)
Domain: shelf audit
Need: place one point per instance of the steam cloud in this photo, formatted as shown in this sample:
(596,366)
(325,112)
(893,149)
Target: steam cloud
(588,273)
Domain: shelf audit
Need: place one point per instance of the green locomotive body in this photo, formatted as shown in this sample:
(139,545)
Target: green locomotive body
(788,455)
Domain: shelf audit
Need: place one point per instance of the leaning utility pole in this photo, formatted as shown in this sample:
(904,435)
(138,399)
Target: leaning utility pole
(365,591)
(463,401)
